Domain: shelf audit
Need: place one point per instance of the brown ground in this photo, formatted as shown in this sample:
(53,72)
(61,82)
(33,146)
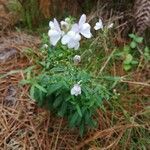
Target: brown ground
(23,125)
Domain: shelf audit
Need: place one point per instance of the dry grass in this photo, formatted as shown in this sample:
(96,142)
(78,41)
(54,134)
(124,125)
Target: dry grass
(23,125)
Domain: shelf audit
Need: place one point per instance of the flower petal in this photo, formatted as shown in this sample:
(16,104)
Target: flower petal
(71,34)
(54,36)
(65,39)
(77,37)
(98,25)
(75,28)
(85,30)
(71,44)
(82,20)
(72,91)
(76,90)
(56,24)
(51,25)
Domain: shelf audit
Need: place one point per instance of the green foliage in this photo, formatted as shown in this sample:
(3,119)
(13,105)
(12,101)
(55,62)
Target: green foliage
(147,54)
(52,85)
(132,53)
(129,62)
(135,40)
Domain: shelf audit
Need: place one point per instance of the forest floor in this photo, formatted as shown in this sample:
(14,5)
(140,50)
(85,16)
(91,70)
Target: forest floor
(23,125)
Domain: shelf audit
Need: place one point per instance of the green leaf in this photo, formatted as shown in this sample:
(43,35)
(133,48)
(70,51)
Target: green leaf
(87,116)
(81,129)
(63,109)
(79,110)
(126,49)
(92,123)
(91,103)
(136,38)
(58,69)
(146,50)
(32,91)
(132,36)
(127,67)
(128,59)
(78,121)
(23,82)
(40,88)
(29,75)
(53,87)
(111,78)
(139,39)
(9,73)
(73,119)
(29,69)
(99,100)
(57,101)
(134,62)
(39,96)
(133,44)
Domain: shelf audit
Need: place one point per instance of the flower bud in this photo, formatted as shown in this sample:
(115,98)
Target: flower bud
(77,59)
(65,26)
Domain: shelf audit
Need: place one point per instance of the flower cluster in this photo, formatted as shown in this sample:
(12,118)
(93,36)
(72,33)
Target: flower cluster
(70,35)
(99,25)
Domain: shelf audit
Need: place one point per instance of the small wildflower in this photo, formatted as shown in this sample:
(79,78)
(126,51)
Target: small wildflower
(98,25)
(110,26)
(55,32)
(71,39)
(77,59)
(76,90)
(82,27)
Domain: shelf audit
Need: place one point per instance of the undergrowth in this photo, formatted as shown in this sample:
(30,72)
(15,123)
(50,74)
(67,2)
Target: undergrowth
(55,73)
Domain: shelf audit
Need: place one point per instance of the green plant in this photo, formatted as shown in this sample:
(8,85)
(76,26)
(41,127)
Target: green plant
(129,62)
(147,53)
(51,89)
(135,40)
(63,80)
(133,52)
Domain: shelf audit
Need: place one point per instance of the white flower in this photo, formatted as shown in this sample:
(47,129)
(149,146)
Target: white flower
(77,59)
(45,46)
(76,90)
(110,25)
(98,25)
(71,39)
(82,27)
(55,32)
